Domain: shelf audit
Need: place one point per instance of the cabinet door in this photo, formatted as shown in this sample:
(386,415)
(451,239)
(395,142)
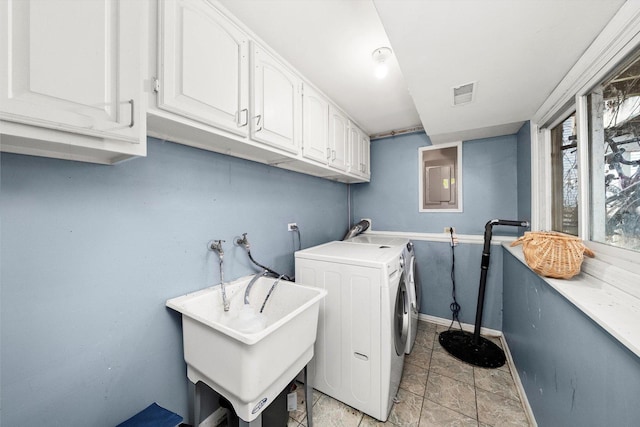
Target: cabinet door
(203,65)
(338,138)
(359,152)
(276,103)
(365,154)
(315,125)
(73,66)
(355,149)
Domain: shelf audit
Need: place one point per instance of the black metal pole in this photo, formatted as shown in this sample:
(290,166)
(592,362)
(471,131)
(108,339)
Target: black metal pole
(472,348)
(484,268)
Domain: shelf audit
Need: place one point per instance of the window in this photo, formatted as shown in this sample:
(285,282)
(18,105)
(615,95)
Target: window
(564,167)
(614,141)
(440,178)
(602,92)
(593,159)
(599,100)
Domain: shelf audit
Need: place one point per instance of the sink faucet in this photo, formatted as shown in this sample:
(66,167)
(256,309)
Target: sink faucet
(243,242)
(216,246)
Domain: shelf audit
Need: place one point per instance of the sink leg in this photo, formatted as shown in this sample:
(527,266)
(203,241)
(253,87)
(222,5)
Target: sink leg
(255,423)
(197,397)
(308,394)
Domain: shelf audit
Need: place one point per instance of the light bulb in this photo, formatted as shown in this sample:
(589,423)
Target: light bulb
(380,57)
(381,71)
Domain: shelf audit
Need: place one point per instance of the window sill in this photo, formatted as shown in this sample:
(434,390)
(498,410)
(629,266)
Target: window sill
(616,311)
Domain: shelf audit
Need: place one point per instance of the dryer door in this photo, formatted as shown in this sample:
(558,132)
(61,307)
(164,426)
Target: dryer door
(413,271)
(401,317)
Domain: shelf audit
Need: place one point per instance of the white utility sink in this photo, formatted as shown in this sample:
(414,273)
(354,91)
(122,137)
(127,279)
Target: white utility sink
(249,369)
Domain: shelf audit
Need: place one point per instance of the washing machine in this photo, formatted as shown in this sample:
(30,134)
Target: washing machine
(413,285)
(363,322)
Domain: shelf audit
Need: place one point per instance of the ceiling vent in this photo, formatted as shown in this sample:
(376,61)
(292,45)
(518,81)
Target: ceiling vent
(464,94)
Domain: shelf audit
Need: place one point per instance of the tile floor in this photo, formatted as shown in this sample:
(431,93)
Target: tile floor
(436,390)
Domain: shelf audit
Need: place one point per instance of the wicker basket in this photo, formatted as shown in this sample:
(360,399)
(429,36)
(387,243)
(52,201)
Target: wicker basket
(553,254)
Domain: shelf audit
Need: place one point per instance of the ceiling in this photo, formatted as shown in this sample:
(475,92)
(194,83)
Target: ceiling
(516,51)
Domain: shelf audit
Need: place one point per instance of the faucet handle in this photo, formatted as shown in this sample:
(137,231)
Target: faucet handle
(215,245)
(243,242)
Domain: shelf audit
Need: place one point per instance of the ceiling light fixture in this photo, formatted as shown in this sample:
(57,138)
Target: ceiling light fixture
(381,56)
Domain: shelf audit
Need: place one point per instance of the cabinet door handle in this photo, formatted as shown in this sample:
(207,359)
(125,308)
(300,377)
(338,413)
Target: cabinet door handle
(132,122)
(333,154)
(328,153)
(259,127)
(246,118)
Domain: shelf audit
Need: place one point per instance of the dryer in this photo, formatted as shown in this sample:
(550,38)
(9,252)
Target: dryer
(363,322)
(413,285)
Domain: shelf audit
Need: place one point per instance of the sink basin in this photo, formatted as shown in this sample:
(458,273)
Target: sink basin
(249,369)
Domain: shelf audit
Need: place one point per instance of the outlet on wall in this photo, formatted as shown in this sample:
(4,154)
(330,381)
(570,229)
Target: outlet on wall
(292,226)
(449,229)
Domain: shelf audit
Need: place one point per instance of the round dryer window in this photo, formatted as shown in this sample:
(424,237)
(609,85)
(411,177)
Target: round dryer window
(401,317)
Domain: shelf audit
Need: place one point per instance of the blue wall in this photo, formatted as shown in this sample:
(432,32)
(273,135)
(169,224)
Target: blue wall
(490,186)
(524,172)
(91,253)
(490,190)
(434,272)
(574,373)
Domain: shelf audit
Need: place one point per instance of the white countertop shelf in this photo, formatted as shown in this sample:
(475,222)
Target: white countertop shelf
(616,311)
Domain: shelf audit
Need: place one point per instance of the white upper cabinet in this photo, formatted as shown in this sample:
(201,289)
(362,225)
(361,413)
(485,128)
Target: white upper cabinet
(73,67)
(203,65)
(216,86)
(276,107)
(359,152)
(315,125)
(338,138)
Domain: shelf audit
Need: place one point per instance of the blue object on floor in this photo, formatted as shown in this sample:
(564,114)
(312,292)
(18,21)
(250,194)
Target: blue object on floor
(153,416)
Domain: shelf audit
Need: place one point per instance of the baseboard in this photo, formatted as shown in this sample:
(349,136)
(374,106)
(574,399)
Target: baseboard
(519,386)
(487,332)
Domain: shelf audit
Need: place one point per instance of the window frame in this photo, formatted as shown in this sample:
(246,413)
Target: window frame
(613,45)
